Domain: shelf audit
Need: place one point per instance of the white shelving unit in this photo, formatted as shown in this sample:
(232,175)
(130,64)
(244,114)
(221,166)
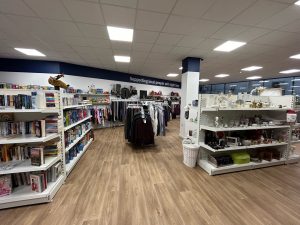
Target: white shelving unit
(207,115)
(69,166)
(25,166)
(23,195)
(77,123)
(23,139)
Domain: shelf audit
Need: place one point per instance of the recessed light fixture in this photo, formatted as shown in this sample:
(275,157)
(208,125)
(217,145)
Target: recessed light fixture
(222,75)
(283,84)
(120,34)
(172,75)
(203,80)
(121,58)
(296,79)
(256,85)
(290,71)
(252,68)
(232,85)
(253,77)
(180,68)
(264,81)
(229,46)
(295,56)
(29,51)
(297,3)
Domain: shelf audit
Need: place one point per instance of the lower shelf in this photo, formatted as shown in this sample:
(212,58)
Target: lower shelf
(293,158)
(25,196)
(212,170)
(72,163)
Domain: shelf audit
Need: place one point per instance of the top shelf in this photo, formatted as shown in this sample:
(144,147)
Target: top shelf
(90,94)
(76,106)
(217,129)
(243,109)
(7,110)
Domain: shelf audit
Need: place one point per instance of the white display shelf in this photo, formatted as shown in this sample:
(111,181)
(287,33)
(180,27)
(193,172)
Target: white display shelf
(70,166)
(75,124)
(90,94)
(23,195)
(77,140)
(295,142)
(201,144)
(26,166)
(75,106)
(217,129)
(19,139)
(212,170)
(7,110)
(243,109)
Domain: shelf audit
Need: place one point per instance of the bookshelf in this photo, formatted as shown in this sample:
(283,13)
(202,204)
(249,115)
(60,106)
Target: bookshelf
(71,163)
(47,102)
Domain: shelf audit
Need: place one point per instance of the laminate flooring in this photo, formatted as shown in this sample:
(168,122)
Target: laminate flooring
(116,184)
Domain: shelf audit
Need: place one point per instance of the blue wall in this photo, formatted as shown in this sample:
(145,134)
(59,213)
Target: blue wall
(37,66)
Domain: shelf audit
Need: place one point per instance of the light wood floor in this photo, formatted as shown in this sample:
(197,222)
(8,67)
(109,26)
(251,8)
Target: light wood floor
(115,184)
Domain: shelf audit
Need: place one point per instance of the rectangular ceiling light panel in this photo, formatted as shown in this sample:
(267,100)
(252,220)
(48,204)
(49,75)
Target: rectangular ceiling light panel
(120,34)
(121,58)
(290,71)
(252,68)
(30,52)
(229,46)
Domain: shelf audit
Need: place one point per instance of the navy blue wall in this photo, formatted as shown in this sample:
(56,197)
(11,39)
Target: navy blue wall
(37,66)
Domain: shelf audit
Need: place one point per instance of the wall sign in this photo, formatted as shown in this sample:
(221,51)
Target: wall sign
(38,66)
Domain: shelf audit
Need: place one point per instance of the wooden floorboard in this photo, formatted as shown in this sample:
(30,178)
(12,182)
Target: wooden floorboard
(116,184)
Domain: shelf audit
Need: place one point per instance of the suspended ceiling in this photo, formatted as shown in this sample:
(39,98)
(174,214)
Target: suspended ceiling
(165,32)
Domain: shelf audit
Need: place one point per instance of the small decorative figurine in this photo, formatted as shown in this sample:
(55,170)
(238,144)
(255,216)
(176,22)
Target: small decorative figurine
(58,83)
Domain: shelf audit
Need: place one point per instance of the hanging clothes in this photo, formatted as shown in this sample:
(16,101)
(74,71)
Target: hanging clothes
(101,116)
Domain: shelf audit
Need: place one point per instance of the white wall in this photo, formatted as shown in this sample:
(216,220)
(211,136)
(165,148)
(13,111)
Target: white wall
(21,78)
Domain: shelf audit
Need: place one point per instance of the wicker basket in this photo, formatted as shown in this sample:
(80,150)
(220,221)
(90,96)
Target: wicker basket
(190,154)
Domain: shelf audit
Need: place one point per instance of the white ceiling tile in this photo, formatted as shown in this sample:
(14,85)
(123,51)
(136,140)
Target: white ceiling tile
(126,3)
(190,26)
(16,7)
(251,34)
(229,31)
(90,30)
(139,55)
(161,48)
(292,27)
(53,9)
(192,8)
(117,45)
(119,16)
(190,41)
(226,10)
(6,23)
(64,28)
(282,18)
(98,42)
(279,38)
(86,12)
(145,36)
(180,51)
(31,24)
(150,20)
(82,49)
(259,11)
(141,47)
(168,39)
(164,6)
(77,41)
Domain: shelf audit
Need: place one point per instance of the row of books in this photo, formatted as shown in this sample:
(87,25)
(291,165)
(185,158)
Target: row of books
(37,128)
(73,152)
(72,134)
(36,100)
(36,154)
(24,87)
(74,115)
(51,124)
(37,180)
(71,100)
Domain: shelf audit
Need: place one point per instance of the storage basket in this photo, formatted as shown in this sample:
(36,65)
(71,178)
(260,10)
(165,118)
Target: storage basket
(190,154)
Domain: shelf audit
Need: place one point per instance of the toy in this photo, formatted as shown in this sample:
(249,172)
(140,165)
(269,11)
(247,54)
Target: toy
(58,83)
